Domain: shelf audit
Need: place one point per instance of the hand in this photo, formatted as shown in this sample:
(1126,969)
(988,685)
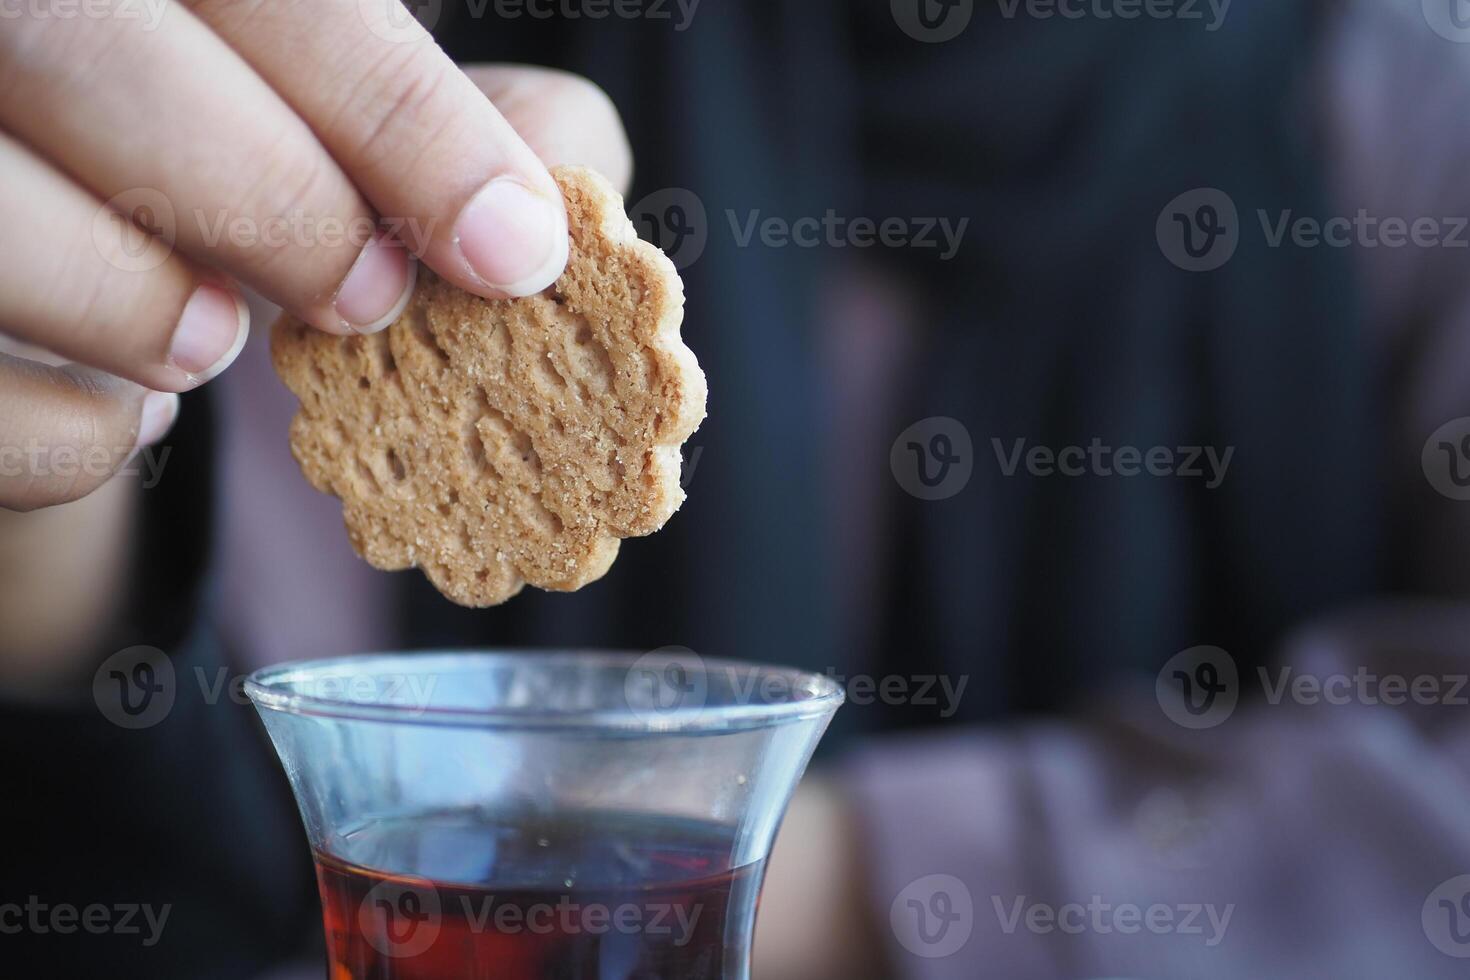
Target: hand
(309,150)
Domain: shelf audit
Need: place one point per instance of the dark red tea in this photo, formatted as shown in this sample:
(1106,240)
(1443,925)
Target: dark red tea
(593,898)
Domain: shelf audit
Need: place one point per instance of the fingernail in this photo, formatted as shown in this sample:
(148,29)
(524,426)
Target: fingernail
(160,409)
(211,332)
(378,286)
(512,238)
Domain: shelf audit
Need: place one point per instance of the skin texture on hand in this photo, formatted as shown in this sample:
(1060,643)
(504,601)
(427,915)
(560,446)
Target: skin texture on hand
(62,568)
(313,152)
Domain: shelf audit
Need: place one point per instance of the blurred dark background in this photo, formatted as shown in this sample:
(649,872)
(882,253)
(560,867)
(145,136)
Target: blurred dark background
(1090,211)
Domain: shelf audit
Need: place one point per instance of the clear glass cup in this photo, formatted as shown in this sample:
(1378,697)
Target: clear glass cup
(541,814)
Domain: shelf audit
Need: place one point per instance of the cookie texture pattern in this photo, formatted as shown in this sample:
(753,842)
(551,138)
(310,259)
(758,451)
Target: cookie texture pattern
(494,443)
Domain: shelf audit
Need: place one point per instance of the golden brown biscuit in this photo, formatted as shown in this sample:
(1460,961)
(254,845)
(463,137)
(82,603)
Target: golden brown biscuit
(498,442)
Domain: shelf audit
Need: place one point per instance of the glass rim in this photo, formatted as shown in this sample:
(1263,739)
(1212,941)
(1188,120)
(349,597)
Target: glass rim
(265,687)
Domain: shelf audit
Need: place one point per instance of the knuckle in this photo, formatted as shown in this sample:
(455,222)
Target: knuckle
(230,15)
(401,97)
(109,309)
(288,177)
(95,409)
(94,390)
(294,201)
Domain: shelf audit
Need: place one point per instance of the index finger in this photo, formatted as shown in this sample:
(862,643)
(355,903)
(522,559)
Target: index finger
(431,153)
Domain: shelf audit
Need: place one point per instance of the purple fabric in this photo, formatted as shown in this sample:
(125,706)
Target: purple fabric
(1325,829)
(1315,832)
